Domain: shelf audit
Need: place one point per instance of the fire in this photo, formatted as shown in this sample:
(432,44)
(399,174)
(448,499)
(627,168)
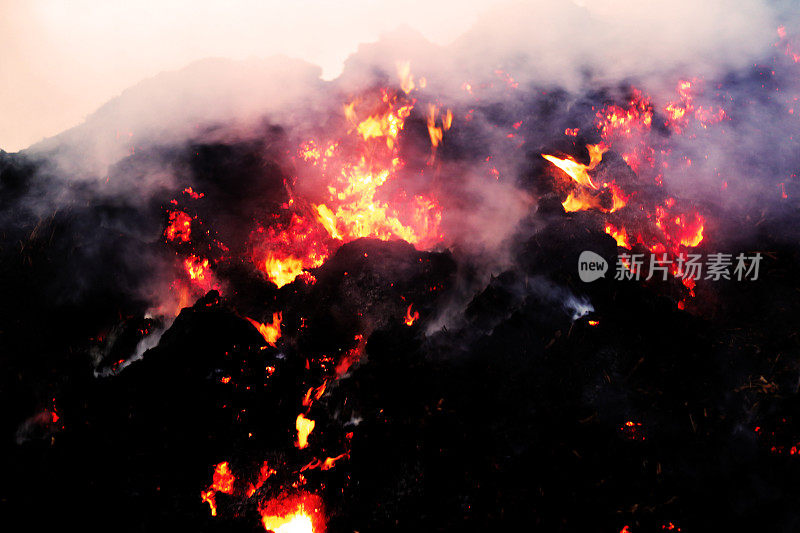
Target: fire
(585,195)
(304,427)
(271,332)
(617,122)
(620,235)
(196,267)
(282,271)
(297,514)
(222,481)
(179,227)
(410,318)
(285,251)
(298,522)
(578,171)
(437,133)
(385,124)
(406,79)
(351,357)
(327,464)
(314,394)
(679,113)
(353,208)
(361,195)
(263,475)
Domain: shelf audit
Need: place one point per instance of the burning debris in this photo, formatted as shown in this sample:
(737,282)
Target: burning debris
(373,320)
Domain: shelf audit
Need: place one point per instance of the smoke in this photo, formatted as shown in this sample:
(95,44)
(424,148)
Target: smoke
(515,81)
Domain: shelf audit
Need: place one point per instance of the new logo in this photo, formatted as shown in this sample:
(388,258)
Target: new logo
(591,266)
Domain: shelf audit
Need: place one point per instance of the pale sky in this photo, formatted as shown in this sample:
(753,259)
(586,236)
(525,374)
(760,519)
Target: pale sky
(60,60)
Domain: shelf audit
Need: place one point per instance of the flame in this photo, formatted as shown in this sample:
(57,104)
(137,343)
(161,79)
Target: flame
(353,209)
(271,332)
(196,267)
(222,481)
(327,464)
(304,427)
(193,194)
(282,271)
(584,196)
(680,112)
(406,79)
(578,171)
(314,394)
(436,134)
(410,318)
(619,235)
(361,194)
(179,227)
(298,514)
(285,251)
(351,357)
(263,475)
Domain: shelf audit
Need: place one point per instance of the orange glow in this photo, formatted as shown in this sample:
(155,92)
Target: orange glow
(360,193)
(679,113)
(223,478)
(619,235)
(293,514)
(196,267)
(222,481)
(179,227)
(353,208)
(351,357)
(584,196)
(327,464)
(406,79)
(578,171)
(410,318)
(285,251)
(282,271)
(263,475)
(270,332)
(616,122)
(681,230)
(304,427)
(313,394)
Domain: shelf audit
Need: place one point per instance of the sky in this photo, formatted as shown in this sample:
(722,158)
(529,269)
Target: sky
(61,60)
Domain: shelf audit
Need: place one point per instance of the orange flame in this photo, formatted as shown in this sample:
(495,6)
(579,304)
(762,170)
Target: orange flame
(410,318)
(327,464)
(270,332)
(298,514)
(222,481)
(406,79)
(353,209)
(304,427)
(196,267)
(578,171)
(619,235)
(263,475)
(179,227)
(314,394)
